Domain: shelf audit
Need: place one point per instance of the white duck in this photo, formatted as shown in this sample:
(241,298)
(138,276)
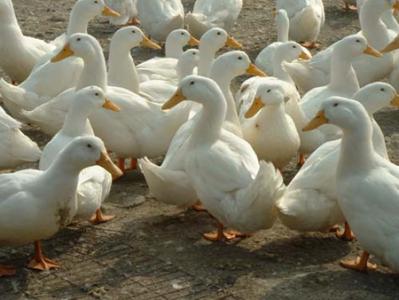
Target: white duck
(122,71)
(48,80)
(46,200)
(18,53)
(223,169)
(164,68)
(268,128)
(212,41)
(310,200)
(94,182)
(15,147)
(314,73)
(265,58)
(343,80)
(388,17)
(160,17)
(127,10)
(168,182)
(367,184)
(207,14)
(140,129)
(306,19)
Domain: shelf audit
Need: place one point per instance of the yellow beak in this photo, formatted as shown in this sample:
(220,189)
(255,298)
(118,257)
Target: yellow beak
(64,53)
(396,6)
(108,104)
(256,106)
(109,12)
(146,42)
(316,122)
(233,43)
(176,99)
(255,71)
(304,56)
(395,101)
(193,42)
(106,162)
(373,52)
(391,46)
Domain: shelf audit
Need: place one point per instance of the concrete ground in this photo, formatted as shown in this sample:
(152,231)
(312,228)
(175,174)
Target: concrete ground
(154,251)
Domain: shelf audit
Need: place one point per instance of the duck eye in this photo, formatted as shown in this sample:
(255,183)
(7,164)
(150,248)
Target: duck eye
(96,2)
(182,33)
(269,90)
(192,83)
(89,146)
(358,41)
(97,94)
(133,31)
(219,33)
(335,104)
(294,47)
(240,58)
(194,53)
(78,39)
(382,90)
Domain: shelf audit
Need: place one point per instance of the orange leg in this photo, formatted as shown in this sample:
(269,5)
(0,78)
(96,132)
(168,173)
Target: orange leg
(346,234)
(311,45)
(133,164)
(121,164)
(359,264)
(40,262)
(7,271)
(133,21)
(99,218)
(301,159)
(224,235)
(198,207)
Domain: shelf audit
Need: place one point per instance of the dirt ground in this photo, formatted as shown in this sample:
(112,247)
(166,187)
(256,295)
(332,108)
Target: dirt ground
(154,251)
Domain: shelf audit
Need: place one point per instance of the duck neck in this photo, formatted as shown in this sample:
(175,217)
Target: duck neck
(173,49)
(183,70)
(283,30)
(122,71)
(78,21)
(278,70)
(208,127)
(373,29)
(207,56)
(224,82)
(356,149)
(94,70)
(9,24)
(343,76)
(76,121)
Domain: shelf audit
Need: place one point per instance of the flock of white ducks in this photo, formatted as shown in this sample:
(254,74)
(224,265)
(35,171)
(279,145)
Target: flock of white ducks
(223,149)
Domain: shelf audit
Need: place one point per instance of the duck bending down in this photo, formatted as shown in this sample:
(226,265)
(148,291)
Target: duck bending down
(316,72)
(265,59)
(15,147)
(160,17)
(140,129)
(169,182)
(45,199)
(207,14)
(306,19)
(94,182)
(47,80)
(223,169)
(310,200)
(367,184)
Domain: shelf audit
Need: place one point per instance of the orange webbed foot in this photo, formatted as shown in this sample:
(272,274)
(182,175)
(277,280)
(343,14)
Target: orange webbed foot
(99,218)
(311,45)
(346,234)
(360,264)
(198,207)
